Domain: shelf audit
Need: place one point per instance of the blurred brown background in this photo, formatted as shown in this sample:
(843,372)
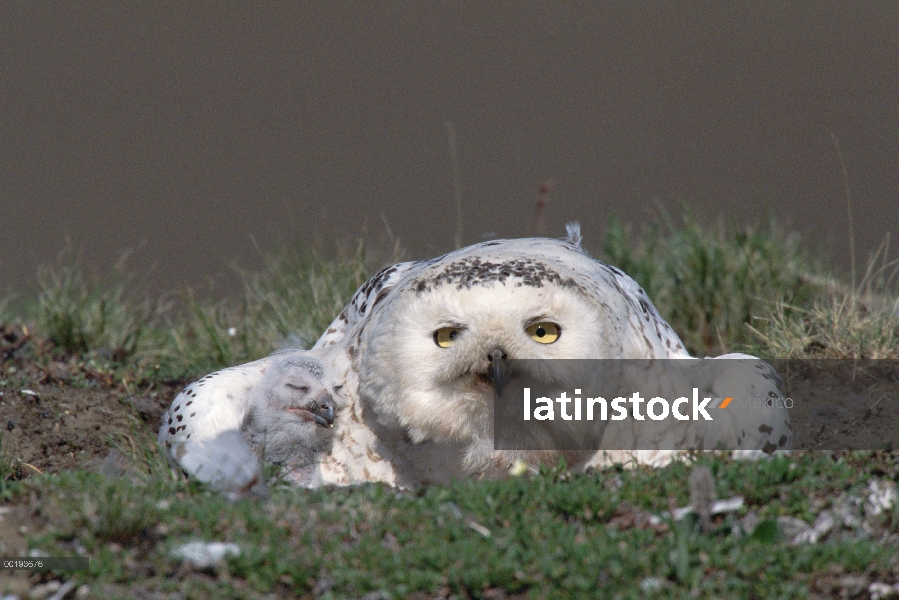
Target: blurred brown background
(194,128)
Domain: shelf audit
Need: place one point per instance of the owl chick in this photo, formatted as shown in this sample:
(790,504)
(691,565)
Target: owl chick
(281,407)
(291,411)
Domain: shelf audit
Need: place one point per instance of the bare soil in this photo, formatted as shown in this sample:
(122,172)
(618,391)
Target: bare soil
(60,413)
(842,404)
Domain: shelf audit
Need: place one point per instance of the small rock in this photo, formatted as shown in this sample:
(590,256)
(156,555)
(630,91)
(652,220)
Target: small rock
(323,586)
(823,524)
(717,507)
(44,590)
(650,584)
(612,483)
(478,527)
(727,505)
(853,585)
(749,522)
(203,555)
(796,531)
(880,590)
(881,497)
(847,510)
(63,590)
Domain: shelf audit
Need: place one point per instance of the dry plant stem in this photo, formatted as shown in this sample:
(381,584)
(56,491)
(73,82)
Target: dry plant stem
(836,144)
(538,223)
(457,185)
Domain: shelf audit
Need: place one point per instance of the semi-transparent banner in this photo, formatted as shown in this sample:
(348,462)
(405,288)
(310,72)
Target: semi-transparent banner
(703,404)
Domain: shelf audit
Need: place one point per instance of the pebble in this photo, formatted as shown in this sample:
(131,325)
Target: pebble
(880,590)
(882,497)
(650,584)
(203,555)
(44,590)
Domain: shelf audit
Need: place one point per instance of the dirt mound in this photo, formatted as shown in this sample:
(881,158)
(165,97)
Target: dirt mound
(61,413)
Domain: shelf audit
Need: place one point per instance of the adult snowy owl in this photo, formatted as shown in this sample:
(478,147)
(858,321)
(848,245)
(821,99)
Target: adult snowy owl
(280,407)
(423,347)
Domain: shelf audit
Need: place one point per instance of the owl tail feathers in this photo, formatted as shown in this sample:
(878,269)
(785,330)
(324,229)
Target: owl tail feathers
(225,463)
(573,233)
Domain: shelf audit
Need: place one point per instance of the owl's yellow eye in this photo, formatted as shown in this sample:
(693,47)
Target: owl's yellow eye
(446,336)
(544,333)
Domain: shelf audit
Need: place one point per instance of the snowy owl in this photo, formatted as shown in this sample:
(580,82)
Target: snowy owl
(281,407)
(424,345)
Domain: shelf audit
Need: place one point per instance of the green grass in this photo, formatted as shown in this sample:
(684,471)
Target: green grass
(709,281)
(288,303)
(83,316)
(723,288)
(555,534)
(6,309)
(756,288)
(841,323)
(10,472)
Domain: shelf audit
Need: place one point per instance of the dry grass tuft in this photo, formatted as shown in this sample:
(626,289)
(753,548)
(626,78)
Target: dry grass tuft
(843,322)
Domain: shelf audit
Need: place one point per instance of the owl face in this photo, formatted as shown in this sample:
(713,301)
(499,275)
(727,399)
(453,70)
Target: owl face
(432,362)
(292,411)
(294,395)
(293,399)
(301,401)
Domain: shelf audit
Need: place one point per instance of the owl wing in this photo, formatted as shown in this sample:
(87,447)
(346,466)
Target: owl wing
(366,297)
(200,431)
(644,317)
(225,462)
(209,406)
(753,424)
(756,420)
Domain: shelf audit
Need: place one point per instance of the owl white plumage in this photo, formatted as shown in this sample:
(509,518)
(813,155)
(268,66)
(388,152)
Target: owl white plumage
(280,407)
(423,344)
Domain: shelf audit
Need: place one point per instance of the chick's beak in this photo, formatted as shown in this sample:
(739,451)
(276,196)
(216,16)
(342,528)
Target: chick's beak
(322,410)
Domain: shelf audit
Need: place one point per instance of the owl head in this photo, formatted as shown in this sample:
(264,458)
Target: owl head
(431,354)
(292,409)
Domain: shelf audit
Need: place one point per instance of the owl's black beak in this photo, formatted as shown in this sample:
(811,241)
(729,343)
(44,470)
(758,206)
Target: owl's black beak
(499,370)
(322,410)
